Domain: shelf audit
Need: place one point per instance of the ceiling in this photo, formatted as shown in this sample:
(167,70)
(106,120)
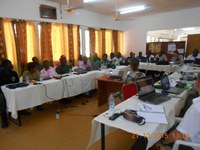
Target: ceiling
(108,7)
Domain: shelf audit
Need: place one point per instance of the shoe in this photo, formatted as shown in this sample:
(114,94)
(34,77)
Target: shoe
(39,108)
(4,124)
(24,112)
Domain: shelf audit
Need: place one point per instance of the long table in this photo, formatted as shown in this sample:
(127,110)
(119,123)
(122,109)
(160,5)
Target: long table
(102,126)
(49,90)
(160,68)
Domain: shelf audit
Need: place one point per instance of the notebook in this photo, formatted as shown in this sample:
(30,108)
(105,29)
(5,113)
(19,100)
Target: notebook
(146,91)
(17,85)
(166,86)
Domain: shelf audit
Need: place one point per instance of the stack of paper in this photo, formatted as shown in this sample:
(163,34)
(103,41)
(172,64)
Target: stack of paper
(152,113)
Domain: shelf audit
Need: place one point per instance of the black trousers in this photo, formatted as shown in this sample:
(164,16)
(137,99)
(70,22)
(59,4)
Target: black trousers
(3,107)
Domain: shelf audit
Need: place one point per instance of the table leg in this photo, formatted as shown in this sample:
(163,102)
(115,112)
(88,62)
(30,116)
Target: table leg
(102,136)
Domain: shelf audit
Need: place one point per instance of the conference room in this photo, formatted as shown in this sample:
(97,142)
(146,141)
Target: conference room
(90,49)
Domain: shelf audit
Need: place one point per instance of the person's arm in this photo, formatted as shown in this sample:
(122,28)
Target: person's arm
(172,137)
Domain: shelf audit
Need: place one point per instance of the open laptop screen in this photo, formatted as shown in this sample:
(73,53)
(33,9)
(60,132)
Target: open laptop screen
(165,82)
(145,86)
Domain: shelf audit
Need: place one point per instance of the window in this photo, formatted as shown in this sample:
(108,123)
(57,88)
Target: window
(84,41)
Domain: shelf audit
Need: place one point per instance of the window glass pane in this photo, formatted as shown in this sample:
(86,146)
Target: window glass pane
(87,43)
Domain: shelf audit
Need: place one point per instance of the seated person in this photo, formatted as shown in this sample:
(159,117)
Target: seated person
(189,124)
(140,57)
(33,76)
(132,76)
(37,63)
(104,61)
(134,73)
(120,58)
(177,58)
(161,56)
(113,60)
(7,76)
(128,59)
(32,73)
(150,57)
(85,64)
(195,55)
(48,72)
(95,62)
(63,66)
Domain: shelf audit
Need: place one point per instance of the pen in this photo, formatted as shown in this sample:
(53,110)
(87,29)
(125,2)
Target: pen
(146,107)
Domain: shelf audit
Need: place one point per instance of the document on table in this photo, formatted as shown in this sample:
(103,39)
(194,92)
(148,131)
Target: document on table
(152,113)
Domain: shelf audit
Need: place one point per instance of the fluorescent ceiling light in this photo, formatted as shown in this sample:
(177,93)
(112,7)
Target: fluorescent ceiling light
(88,1)
(132,9)
(188,29)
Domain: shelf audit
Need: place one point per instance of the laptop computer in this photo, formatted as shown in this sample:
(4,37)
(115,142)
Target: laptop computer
(95,66)
(17,85)
(146,91)
(166,86)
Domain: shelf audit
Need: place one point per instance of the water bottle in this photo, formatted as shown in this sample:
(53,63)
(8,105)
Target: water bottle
(57,114)
(41,78)
(111,103)
(27,79)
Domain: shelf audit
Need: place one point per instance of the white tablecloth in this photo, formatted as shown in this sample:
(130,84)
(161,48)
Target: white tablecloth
(131,127)
(49,90)
(154,67)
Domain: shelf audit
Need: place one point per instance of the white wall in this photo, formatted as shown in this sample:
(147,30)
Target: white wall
(136,31)
(29,10)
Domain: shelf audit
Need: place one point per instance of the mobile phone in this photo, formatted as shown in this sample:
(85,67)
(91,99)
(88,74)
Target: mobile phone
(114,116)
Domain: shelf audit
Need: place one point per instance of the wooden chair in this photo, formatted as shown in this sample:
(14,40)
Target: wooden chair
(129,90)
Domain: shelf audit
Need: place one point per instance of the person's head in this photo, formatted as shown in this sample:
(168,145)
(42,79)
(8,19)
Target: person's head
(46,64)
(31,67)
(140,54)
(195,52)
(112,55)
(35,60)
(134,64)
(85,59)
(131,54)
(104,57)
(63,60)
(118,54)
(176,54)
(198,83)
(94,56)
(6,65)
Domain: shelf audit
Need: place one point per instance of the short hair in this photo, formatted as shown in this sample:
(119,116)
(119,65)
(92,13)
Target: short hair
(5,63)
(30,66)
(134,63)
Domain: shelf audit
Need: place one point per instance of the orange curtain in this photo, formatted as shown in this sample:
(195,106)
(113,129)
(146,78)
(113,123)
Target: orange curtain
(45,40)
(32,41)
(115,40)
(76,42)
(21,44)
(10,43)
(71,45)
(108,41)
(92,40)
(104,41)
(120,42)
(2,41)
(98,42)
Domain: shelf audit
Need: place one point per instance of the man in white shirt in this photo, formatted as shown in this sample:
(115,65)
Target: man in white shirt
(195,55)
(189,128)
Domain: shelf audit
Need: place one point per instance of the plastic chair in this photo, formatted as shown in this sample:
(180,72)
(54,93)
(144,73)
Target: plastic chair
(181,142)
(129,90)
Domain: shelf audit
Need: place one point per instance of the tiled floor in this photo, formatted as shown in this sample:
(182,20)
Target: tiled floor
(41,131)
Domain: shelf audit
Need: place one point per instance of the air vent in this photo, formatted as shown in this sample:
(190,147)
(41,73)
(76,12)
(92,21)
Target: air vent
(48,12)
